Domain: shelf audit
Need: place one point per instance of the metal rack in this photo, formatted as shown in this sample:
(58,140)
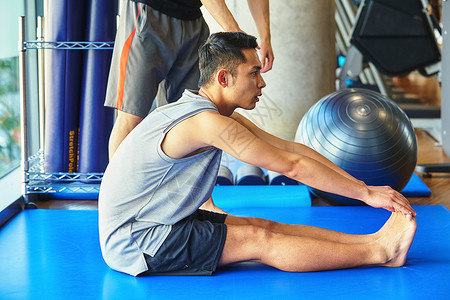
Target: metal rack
(36,182)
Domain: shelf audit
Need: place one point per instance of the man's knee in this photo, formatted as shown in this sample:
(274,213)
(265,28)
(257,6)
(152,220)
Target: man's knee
(243,234)
(253,221)
(263,223)
(260,234)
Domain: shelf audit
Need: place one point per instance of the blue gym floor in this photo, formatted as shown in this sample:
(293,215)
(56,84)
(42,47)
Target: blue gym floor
(55,254)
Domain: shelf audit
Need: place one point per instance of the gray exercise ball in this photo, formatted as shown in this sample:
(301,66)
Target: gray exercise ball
(364,133)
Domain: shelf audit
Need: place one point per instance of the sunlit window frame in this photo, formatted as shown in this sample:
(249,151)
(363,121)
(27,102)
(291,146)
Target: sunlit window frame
(12,201)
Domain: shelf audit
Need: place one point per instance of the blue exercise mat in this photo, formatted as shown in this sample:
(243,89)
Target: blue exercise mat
(416,188)
(55,254)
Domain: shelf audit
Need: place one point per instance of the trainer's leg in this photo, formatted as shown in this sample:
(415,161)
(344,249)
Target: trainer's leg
(302,254)
(123,125)
(184,72)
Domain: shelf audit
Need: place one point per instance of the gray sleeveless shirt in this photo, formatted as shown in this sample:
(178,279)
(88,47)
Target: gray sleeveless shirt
(144,191)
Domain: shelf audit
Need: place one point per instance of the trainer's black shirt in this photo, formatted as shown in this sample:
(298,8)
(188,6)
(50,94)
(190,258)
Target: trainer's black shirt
(180,9)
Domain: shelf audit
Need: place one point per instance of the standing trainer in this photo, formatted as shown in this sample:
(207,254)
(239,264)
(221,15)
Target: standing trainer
(156,54)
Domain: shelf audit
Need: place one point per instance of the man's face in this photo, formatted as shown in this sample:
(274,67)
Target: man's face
(246,86)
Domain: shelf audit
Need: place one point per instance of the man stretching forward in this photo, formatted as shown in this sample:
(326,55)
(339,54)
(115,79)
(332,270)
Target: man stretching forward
(166,169)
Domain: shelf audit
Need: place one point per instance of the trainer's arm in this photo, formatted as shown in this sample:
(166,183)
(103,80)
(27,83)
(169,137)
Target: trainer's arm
(260,13)
(220,12)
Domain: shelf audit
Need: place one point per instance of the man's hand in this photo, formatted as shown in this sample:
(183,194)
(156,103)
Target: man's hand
(388,198)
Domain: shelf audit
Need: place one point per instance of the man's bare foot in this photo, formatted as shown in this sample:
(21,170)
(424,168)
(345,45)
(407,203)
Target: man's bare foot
(396,237)
(386,227)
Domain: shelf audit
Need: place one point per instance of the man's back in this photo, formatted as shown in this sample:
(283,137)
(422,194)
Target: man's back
(144,191)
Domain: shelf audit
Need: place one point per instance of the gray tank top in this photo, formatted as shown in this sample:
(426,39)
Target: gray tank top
(144,191)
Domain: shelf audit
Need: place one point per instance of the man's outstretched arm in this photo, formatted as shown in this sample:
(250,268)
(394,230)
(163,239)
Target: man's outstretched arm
(289,146)
(312,169)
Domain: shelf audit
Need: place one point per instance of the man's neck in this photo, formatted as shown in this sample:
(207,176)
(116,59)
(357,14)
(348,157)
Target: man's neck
(203,93)
(218,101)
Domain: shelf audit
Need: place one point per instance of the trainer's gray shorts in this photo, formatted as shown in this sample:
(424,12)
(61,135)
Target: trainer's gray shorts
(154,56)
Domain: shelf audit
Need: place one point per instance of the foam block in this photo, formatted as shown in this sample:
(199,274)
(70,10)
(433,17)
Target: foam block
(224,176)
(261,196)
(250,175)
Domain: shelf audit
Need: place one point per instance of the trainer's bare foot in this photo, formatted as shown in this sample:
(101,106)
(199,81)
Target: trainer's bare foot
(396,237)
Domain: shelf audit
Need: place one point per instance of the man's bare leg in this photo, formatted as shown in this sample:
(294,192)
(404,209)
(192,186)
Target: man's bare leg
(302,230)
(305,230)
(123,125)
(302,254)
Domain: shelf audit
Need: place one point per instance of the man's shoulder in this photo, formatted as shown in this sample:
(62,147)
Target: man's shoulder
(190,101)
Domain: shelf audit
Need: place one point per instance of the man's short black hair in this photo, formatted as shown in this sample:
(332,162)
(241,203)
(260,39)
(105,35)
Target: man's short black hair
(223,50)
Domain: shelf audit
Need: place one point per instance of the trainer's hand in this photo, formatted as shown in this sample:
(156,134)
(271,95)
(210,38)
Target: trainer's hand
(388,198)
(266,56)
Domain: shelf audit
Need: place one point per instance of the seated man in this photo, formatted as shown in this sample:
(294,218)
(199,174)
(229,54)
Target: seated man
(166,169)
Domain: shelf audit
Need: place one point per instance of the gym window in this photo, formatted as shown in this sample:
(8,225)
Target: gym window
(10,151)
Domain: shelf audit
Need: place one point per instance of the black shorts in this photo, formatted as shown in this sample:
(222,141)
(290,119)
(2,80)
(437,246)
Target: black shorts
(193,247)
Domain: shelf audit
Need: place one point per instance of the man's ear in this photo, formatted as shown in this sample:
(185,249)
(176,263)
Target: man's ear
(222,78)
